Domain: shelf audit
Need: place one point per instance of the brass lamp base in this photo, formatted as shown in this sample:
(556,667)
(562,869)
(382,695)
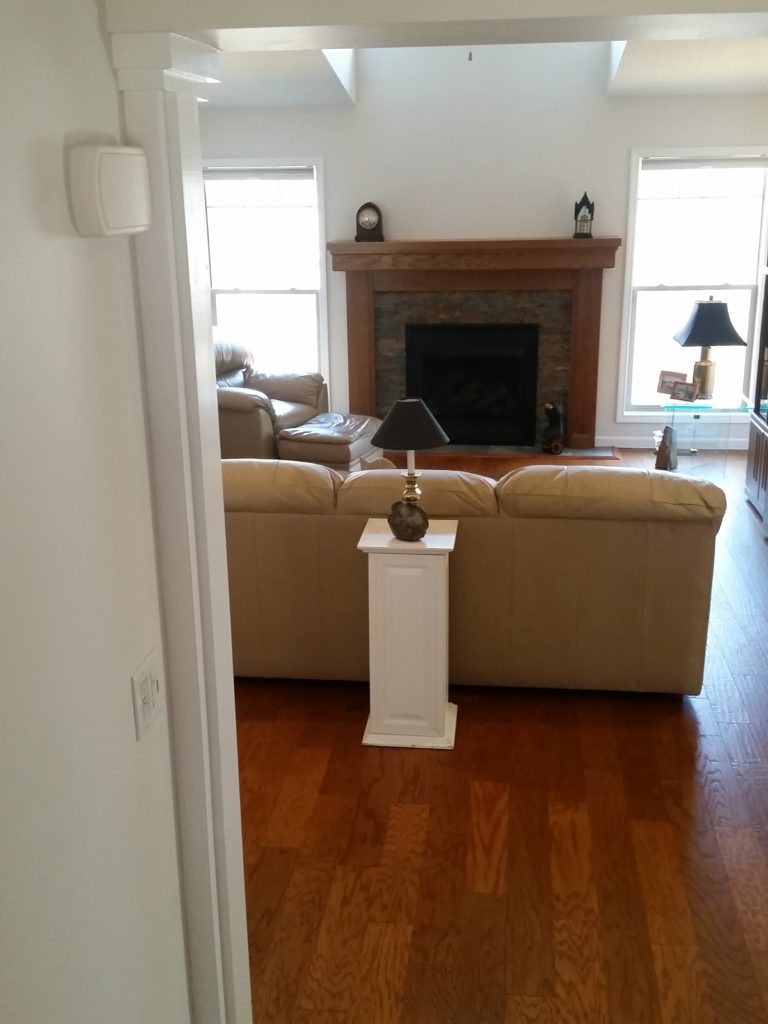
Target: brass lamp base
(407,519)
(704,374)
(412,491)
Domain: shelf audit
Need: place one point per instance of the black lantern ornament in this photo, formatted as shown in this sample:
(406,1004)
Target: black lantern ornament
(583,215)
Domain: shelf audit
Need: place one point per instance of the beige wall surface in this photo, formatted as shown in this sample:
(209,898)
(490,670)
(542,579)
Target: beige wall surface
(90,918)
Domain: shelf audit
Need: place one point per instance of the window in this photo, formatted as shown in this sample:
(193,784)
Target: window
(698,233)
(265,258)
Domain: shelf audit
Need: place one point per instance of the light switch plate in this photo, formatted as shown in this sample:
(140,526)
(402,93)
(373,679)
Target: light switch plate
(146,691)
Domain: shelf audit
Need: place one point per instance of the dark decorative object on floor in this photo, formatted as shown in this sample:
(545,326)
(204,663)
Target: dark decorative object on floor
(553,437)
(666,457)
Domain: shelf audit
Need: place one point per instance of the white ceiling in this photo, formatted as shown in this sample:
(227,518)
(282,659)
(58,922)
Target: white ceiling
(641,68)
(292,78)
(691,66)
(275,52)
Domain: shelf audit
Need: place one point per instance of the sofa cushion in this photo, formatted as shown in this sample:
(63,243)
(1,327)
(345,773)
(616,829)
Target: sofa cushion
(300,388)
(333,428)
(602,492)
(276,485)
(444,493)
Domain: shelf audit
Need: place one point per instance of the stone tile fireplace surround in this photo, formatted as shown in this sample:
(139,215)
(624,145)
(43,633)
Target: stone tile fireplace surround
(555,282)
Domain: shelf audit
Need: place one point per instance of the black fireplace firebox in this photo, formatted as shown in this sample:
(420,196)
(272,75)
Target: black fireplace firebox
(479,380)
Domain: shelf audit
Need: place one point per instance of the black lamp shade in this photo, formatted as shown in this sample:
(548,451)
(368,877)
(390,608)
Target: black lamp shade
(709,326)
(409,425)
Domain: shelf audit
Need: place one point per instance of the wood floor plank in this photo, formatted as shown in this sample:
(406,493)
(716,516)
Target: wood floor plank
(279,971)
(530,934)
(746,865)
(631,980)
(384,962)
(331,982)
(487,847)
(448,795)
(392,886)
(665,900)
(580,976)
(682,986)
(429,995)
(535,1010)
(442,883)
(266,881)
(742,743)
(726,961)
(327,830)
(480,969)
(256,807)
(379,782)
(564,767)
(297,797)
(720,784)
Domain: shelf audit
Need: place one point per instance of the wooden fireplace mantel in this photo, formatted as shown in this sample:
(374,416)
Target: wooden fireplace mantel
(516,264)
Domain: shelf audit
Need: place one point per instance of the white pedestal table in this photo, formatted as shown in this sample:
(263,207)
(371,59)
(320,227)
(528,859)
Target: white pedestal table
(408,636)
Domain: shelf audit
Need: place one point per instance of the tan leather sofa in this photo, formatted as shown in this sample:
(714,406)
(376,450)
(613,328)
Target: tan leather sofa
(580,577)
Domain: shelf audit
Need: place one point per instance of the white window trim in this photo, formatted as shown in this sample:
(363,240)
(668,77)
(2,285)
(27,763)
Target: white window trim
(624,415)
(257,163)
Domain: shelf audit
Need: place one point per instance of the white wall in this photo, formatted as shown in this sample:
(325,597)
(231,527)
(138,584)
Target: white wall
(90,919)
(500,146)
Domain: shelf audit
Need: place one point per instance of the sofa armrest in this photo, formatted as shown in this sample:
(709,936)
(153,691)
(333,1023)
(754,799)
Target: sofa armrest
(243,400)
(299,388)
(246,424)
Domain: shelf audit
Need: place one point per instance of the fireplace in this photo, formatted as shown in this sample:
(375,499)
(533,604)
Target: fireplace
(479,380)
(442,273)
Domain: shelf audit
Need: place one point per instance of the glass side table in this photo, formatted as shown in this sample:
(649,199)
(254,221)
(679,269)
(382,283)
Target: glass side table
(681,435)
(685,419)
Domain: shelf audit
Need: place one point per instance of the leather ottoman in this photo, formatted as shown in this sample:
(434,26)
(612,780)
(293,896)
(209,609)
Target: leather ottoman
(333,439)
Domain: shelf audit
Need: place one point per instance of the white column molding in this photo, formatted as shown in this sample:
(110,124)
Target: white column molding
(161,115)
(187,58)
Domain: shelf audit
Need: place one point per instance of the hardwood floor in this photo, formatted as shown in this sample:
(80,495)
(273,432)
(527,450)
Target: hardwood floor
(576,859)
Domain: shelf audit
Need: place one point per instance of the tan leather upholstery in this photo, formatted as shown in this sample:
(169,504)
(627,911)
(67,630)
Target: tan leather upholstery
(331,439)
(263,416)
(561,576)
(248,427)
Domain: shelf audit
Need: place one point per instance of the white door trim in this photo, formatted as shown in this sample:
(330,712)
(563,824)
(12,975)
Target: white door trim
(159,83)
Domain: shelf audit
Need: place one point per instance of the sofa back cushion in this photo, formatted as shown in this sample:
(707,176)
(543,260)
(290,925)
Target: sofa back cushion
(445,493)
(300,388)
(276,485)
(598,492)
(233,363)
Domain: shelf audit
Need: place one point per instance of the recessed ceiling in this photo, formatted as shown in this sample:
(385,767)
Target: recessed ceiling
(295,78)
(700,66)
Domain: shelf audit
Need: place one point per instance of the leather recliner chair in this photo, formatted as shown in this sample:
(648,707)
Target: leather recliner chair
(254,407)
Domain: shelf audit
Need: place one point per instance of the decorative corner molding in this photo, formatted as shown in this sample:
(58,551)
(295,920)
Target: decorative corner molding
(163,60)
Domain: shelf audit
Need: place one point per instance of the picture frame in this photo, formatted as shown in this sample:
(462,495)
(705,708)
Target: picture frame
(684,391)
(667,378)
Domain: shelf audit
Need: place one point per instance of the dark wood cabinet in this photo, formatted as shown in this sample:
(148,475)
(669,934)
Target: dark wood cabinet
(757,459)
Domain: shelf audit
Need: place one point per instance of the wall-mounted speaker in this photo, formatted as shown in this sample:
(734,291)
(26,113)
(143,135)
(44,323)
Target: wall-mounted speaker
(109,190)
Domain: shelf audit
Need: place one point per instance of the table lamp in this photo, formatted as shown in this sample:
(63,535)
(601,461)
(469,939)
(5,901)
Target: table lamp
(407,426)
(708,327)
